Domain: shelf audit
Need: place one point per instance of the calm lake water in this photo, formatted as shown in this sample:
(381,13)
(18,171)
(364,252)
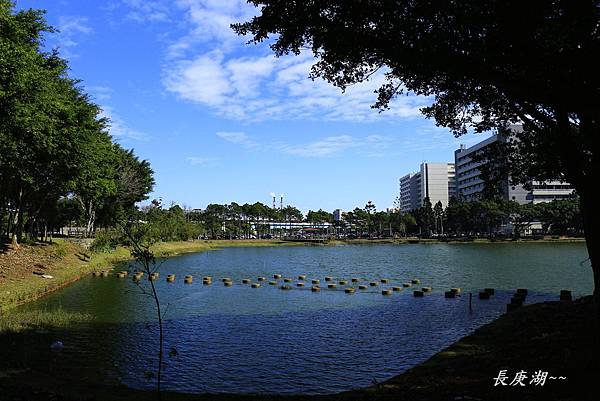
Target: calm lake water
(265,340)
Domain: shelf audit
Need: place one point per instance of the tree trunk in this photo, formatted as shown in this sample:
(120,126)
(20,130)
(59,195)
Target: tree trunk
(17,222)
(18,235)
(91,220)
(591,226)
(2,213)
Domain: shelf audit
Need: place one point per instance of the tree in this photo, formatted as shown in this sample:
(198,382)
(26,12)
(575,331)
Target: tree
(140,242)
(426,217)
(560,216)
(370,209)
(53,143)
(360,219)
(319,217)
(438,212)
(458,216)
(96,182)
(522,216)
(488,64)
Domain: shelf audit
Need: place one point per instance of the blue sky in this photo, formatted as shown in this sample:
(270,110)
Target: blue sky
(223,121)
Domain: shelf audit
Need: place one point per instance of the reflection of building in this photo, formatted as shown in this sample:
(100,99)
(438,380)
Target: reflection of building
(337,215)
(434,181)
(470,182)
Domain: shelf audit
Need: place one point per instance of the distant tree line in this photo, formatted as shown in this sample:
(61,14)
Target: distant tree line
(257,220)
(58,163)
(488,216)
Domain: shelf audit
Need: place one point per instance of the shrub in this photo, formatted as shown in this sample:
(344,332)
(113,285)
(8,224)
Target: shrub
(106,241)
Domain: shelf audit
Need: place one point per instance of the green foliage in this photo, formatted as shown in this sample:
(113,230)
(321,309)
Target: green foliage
(54,146)
(60,250)
(15,321)
(169,224)
(106,241)
(425,218)
(559,217)
(320,216)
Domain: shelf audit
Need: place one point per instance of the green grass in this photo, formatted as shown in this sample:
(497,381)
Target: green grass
(14,321)
(67,266)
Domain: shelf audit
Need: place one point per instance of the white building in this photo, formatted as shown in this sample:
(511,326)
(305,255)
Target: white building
(410,192)
(337,215)
(435,181)
(470,182)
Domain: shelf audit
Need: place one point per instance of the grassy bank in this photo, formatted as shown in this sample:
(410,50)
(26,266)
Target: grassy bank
(21,271)
(559,338)
(40,320)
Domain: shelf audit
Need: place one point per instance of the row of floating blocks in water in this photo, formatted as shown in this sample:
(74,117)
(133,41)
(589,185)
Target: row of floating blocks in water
(516,300)
(315,283)
(228,282)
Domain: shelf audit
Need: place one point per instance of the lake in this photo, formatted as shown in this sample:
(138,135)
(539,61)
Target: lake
(240,339)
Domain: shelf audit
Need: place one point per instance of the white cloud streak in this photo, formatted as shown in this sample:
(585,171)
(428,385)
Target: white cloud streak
(71,28)
(329,146)
(238,138)
(119,130)
(201,161)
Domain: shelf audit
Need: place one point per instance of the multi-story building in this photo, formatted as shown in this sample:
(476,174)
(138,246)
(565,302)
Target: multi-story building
(550,190)
(470,182)
(410,192)
(434,181)
(337,215)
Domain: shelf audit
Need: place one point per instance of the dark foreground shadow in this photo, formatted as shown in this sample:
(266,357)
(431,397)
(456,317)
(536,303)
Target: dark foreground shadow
(559,338)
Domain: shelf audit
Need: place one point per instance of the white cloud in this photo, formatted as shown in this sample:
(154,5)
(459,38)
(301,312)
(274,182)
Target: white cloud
(322,148)
(209,21)
(200,80)
(370,145)
(71,28)
(210,66)
(100,93)
(119,130)
(238,138)
(147,10)
(195,160)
